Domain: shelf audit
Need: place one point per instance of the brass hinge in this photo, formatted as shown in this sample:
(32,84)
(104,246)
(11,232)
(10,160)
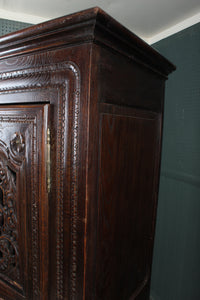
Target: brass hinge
(48,160)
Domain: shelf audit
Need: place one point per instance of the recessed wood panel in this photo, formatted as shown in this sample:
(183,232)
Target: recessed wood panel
(126,204)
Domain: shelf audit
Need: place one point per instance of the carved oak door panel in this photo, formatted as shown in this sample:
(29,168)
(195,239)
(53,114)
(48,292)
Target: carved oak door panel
(23,202)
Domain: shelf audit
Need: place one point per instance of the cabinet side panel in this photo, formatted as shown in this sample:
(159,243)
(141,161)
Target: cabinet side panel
(127,171)
(122,92)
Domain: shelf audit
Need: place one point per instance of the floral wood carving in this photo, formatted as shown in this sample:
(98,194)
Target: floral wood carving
(8,223)
(17,143)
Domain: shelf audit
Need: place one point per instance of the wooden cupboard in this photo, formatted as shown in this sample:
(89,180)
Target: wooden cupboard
(81,109)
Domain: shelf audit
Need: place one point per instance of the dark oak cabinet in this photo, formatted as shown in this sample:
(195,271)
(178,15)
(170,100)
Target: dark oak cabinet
(81,108)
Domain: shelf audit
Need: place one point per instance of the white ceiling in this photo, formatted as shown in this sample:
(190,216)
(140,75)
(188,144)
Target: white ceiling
(150,19)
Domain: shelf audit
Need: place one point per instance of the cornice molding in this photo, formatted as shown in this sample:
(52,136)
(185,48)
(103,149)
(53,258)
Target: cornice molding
(33,19)
(88,26)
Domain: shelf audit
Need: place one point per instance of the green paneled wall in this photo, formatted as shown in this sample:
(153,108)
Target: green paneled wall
(176,263)
(7,26)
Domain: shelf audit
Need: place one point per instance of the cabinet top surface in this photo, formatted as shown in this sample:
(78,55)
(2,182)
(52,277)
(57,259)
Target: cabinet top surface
(88,26)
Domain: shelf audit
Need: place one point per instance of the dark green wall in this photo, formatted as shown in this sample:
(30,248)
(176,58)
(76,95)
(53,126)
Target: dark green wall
(176,263)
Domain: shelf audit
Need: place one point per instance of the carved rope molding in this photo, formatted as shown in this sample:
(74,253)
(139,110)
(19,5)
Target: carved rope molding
(40,71)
